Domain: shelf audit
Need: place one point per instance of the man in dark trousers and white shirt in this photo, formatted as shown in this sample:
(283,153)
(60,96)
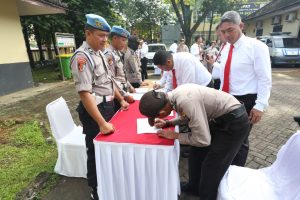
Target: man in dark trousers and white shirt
(216,119)
(245,72)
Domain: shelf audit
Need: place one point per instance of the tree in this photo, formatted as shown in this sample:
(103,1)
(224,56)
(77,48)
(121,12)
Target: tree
(144,16)
(42,28)
(185,8)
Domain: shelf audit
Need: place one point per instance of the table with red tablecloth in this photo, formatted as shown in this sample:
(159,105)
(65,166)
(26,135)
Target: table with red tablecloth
(133,166)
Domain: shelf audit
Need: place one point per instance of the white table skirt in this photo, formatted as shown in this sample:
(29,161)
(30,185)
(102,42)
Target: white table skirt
(137,172)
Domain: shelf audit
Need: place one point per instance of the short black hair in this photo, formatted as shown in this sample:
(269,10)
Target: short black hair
(133,43)
(175,41)
(88,27)
(197,37)
(161,57)
(151,103)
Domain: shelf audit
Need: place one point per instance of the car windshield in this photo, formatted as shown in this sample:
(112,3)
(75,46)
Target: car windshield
(156,48)
(287,43)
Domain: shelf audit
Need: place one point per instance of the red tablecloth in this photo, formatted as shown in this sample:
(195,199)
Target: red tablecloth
(126,129)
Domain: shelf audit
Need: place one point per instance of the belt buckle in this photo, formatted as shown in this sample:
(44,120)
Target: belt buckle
(108,98)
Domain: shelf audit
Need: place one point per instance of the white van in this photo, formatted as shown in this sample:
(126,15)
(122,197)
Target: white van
(284,49)
(152,49)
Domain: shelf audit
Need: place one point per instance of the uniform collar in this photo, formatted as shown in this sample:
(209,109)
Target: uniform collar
(239,41)
(89,49)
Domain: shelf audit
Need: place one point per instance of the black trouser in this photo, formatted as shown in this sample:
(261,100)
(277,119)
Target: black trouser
(144,73)
(135,85)
(217,83)
(91,129)
(241,157)
(227,138)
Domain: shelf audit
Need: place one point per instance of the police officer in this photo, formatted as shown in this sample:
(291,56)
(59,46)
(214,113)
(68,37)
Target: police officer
(94,84)
(119,36)
(218,123)
(132,64)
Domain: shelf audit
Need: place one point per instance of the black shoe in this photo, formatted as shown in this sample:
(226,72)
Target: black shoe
(187,188)
(94,194)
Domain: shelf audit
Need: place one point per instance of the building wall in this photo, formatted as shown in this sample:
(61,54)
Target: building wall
(292,27)
(15,71)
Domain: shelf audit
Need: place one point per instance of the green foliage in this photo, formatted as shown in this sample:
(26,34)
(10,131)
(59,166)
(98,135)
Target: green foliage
(145,17)
(23,158)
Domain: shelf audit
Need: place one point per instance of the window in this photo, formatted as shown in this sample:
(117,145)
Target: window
(287,43)
(277,28)
(259,32)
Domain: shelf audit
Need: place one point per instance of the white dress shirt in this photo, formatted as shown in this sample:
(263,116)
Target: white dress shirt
(166,81)
(195,50)
(144,50)
(189,69)
(250,71)
(173,47)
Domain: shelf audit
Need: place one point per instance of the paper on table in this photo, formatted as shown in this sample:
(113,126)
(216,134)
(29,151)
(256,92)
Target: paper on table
(141,90)
(144,127)
(137,96)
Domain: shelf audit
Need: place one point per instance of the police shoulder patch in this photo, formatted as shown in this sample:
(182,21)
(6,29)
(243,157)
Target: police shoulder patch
(81,63)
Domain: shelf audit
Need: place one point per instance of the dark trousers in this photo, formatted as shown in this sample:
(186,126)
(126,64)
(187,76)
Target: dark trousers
(135,85)
(227,139)
(144,73)
(210,163)
(91,129)
(241,158)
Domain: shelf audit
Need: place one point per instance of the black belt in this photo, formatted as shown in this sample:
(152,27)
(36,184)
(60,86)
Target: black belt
(234,114)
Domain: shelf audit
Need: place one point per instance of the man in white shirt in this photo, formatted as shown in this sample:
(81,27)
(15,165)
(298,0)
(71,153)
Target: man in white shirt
(173,47)
(196,48)
(143,52)
(165,82)
(186,67)
(248,76)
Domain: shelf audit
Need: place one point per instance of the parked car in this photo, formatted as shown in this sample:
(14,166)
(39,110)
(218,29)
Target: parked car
(284,49)
(152,49)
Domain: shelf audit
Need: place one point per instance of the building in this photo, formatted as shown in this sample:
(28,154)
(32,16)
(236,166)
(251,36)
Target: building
(276,16)
(15,71)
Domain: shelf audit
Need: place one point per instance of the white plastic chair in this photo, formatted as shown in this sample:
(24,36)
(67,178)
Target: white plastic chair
(70,141)
(280,181)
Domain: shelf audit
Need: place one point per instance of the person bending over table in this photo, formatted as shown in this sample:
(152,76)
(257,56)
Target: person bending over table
(218,122)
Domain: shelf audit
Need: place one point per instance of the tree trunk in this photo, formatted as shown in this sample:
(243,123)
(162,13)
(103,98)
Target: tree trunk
(39,42)
(54,44)
(29,53)
(210,25)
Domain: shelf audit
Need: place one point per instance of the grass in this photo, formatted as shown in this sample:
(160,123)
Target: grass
(46,74)
(23,157)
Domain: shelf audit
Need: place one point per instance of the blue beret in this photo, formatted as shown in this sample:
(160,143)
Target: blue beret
(97,22)
(118,30)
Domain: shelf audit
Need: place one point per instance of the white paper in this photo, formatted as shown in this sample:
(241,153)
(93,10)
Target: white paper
(141,90)
(171,114)
(137,96)
(144,127)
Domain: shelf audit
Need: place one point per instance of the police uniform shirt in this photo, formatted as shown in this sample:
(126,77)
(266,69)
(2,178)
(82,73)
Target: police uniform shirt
(198,105)
(189,69)
(250,71)
(94,79)
(132,67)
(117,68)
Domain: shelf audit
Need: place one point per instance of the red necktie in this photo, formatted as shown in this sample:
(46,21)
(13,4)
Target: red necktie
(227,71)
(174,79)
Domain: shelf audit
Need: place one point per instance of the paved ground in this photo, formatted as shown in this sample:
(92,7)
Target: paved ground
(265,140)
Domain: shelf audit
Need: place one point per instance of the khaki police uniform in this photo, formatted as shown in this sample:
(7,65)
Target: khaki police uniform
(132,68)
(219,124)
(91,74)
(117,68)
